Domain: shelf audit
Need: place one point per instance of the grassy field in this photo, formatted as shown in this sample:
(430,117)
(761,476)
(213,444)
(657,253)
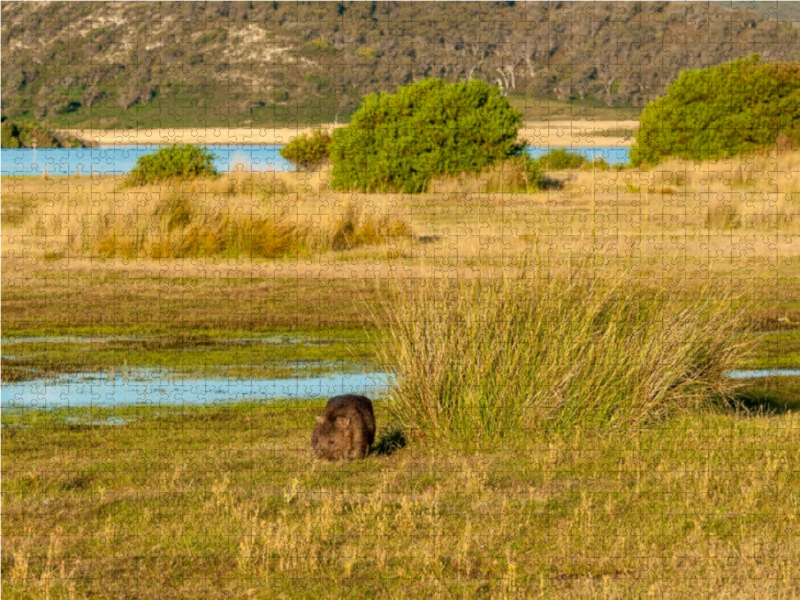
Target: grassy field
(225,501)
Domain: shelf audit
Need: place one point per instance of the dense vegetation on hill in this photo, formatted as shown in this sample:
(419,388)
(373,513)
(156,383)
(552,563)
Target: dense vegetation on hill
(124,64)
(721,111)
(780,11)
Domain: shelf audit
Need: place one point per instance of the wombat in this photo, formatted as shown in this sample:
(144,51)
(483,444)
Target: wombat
(345,430)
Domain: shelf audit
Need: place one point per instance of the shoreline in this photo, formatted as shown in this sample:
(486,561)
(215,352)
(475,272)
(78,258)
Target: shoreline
(553,133)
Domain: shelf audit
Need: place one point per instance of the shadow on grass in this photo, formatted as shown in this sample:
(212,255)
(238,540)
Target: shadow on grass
(762,400)
(390,442)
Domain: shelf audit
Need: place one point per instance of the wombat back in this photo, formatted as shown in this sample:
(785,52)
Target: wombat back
(346,429)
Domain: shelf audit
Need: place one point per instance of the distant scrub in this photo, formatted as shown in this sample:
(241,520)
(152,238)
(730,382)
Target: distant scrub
(180,162)
(560,160)
(306,151)
(397,142)
(23,134)
(721,111)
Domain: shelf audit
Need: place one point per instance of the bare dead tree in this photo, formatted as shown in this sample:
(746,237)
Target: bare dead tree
(477,56)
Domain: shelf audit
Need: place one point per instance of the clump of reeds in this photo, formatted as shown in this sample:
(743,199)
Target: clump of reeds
(481,362)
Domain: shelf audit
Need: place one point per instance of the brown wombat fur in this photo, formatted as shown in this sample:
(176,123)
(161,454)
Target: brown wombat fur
(346,429)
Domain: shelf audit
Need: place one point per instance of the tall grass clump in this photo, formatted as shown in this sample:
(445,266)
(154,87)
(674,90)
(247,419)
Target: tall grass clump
(169,222)
(179,161)
(480,363)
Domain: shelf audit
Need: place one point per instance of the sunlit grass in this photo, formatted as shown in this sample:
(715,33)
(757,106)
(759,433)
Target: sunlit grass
(225,501)
(480,362)
(253,215)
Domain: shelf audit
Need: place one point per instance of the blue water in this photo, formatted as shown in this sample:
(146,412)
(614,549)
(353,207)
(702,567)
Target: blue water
(761,373)
(157,388)
(152,387)
(119,160)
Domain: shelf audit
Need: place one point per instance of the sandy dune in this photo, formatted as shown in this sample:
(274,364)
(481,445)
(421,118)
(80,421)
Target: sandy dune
(554,133)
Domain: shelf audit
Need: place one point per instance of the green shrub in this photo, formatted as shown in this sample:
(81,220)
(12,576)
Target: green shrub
(182,161)
(397,142)
(481,362)
(10,135)
(307,152)
(721,111)
(23,134)
(598,164)
(560,159)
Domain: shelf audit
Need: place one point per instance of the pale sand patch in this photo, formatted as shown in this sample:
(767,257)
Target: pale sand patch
(553,133)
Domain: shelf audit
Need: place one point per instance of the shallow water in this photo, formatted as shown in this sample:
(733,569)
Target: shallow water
(152,387)
(119,160)
(761,373)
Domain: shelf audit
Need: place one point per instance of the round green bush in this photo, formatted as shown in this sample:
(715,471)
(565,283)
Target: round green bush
(397,142)
(306,151)
(721,111)
(180,161)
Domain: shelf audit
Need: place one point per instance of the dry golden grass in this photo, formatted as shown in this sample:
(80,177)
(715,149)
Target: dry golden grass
(679,207)
(254,215)
(657,219)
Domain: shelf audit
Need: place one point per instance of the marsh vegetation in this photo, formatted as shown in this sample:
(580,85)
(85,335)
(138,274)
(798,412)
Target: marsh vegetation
(627,479)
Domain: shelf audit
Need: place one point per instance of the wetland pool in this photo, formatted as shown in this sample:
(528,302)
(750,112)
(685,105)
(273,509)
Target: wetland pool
(157,387)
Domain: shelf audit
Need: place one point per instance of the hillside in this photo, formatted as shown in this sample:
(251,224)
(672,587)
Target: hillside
(132,64)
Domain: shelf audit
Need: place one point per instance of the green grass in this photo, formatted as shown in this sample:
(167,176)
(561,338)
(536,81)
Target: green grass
(265,356)
(180,111)
(225,501)
(114,303)
(779,349)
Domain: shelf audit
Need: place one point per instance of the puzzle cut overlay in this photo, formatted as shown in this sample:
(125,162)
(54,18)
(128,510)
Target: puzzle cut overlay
(554,244)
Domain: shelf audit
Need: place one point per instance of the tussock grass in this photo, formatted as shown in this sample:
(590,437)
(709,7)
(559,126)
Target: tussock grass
(482,362)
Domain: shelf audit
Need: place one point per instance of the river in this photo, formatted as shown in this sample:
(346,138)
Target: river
(119,160)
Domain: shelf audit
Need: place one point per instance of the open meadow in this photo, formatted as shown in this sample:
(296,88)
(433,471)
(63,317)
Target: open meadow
(139,501)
